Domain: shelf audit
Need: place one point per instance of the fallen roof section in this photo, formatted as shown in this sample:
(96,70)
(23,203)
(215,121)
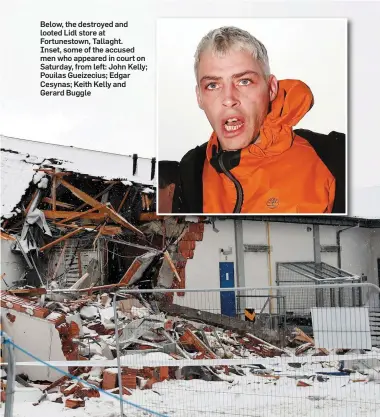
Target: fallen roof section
(20,157)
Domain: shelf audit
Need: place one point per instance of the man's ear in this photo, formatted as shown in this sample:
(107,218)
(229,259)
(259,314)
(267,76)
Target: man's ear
(199,99)
(171,188)
(273,87)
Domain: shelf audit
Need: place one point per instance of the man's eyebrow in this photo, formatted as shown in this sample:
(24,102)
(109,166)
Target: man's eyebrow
(249,72)
(240,74)
(210,78)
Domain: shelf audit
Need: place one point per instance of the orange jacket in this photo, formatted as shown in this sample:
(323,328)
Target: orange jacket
(280,174)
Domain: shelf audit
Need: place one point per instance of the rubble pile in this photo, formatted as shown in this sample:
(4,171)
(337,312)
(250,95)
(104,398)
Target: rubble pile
(86,328)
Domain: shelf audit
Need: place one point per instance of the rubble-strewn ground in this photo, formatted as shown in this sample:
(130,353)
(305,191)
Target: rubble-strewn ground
(76,239)
(85,329)
(250,395)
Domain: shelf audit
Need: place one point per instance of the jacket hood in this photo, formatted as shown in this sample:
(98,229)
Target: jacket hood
(294,99)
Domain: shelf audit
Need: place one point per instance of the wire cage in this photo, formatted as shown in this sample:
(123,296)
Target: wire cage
(300,301)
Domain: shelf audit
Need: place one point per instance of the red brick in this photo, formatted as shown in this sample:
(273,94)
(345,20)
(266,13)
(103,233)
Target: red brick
(181,264)
(169,297)
(188,254)
(129,381)
(11,317)
(87,393)
(186,245)
(56,319)
(150,383)
(73,330)
(164,373)
(109,380)
(74,402)
(168,325)
(196,236)
(147,372)
(303,384)
(196,227)
(23,305)
(70,388)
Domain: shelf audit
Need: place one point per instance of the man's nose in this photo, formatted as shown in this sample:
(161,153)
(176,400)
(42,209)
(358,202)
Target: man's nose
(230,96)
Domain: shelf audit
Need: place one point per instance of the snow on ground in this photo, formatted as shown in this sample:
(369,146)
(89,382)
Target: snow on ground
(247,396)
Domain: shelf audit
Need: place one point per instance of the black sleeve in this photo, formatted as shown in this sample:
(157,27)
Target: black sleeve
(331,149)
(188,193)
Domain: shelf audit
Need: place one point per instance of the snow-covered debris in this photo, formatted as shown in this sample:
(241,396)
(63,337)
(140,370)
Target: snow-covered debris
(89,312)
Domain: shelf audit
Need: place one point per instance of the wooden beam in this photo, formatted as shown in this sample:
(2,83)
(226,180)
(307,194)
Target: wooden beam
(107,230)
(61,239)
(97,196)
(54,193)
(149,200)
(123,200)
(6,236)
(49,200)
(52,172)
(143,202)
(172,266)
(76,215)
(50,214)
(111,230)
(28,291)
(31,201)
(117,218)
(92,202)
(80,194)
(148,217)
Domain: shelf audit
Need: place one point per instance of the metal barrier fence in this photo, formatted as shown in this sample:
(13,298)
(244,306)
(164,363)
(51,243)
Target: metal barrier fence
(223,352)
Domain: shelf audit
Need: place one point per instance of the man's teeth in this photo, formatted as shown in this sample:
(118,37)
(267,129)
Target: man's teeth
(237,124)
(230,128)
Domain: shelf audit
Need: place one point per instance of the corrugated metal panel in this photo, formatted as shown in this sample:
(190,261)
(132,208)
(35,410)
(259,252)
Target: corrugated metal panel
(374,322)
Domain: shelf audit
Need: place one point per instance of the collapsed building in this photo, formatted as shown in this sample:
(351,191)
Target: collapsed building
(79,225)
(70,237)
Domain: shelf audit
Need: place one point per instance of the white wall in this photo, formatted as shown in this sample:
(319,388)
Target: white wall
(12,265)
(203,270)
(289,242)
(40,338)
(356,251)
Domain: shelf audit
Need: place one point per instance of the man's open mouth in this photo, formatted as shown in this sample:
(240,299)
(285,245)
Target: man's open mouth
(233,124)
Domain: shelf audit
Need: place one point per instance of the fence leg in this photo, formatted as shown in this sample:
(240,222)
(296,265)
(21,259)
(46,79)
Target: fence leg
(11,377)
(118,357)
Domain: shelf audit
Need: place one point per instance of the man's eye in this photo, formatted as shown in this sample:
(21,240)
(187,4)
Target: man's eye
(211,86)
(245,82)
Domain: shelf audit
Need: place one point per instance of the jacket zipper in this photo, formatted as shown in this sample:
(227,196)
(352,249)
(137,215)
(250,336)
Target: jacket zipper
(238,187)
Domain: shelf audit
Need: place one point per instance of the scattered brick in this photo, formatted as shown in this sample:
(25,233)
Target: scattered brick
(74,402)
(301,383)
(109,380)
(22,305)
(11,317)
(87,393)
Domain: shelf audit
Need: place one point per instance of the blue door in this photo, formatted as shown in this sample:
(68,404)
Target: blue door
(227,280)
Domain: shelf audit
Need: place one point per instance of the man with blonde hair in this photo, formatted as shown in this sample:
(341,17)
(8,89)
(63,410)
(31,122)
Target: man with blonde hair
(254,162)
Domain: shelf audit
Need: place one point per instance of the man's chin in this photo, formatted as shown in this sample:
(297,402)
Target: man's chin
(234,144)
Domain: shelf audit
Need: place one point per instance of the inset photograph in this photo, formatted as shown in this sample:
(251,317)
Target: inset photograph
(252,116)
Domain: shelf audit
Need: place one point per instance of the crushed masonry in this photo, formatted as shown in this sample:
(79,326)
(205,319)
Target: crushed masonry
(78,239)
